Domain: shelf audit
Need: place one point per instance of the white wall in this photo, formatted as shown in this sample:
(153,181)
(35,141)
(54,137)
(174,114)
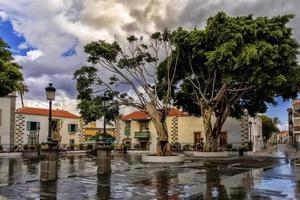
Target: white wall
(5,123)
(257,137)
(43,134)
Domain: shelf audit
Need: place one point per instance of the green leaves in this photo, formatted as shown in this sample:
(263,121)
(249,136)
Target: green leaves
(10,73)
(102,49)
(258,53)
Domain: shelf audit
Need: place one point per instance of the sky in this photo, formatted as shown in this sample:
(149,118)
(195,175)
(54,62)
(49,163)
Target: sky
(47,37)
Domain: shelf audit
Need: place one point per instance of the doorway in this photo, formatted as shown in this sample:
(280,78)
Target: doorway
(223,139)
(197,138)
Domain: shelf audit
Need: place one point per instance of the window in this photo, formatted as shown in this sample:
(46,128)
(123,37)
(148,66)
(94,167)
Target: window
(72,141)
(0,117)
(33,126)
(143,126)
(72,128)
(127,124)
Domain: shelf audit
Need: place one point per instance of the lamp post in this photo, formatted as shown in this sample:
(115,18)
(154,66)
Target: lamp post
(49,164)
(104,150)
(250,142)
(50,93)
(104,105)
(250,126)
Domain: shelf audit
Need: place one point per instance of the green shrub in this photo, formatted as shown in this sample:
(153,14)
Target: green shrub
(38,146)
(32,147)
(25,147)
(72,147)
(81,146)
(1,147)
(229,147)
(90,146)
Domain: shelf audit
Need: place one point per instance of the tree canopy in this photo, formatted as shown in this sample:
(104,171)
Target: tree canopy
(234,63)
(268,126)
(10,73)
(128,75)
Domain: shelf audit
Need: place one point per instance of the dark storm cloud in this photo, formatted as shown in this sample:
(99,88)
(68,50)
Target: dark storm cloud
(196,12)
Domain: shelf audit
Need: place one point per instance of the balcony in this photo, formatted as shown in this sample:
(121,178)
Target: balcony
(296,128)
(142,134)
(127,131)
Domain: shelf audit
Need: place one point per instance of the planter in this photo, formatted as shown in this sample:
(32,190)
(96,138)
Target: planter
(30,153)
(163,159)
(221,154)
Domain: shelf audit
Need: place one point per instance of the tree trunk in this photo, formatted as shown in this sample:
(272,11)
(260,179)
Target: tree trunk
(22,100)
(212,132)
(159,120)
(211,143)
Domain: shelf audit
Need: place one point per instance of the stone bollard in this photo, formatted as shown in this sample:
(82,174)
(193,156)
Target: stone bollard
(104,161)
(49,165)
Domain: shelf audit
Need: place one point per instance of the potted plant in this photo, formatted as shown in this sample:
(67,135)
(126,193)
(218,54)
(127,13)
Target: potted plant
(44,145)
(72,147)
(25,147)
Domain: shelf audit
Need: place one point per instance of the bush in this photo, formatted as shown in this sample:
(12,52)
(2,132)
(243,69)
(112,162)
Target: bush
(90,146)
(81,146)
(32,147)
(186,147)
(229,147)
(38,146)
(25,147)
(1,147)
(72,147)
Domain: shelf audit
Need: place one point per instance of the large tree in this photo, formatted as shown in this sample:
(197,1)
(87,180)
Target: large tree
(22,88)
(129,76)
(10,73)
(269,126)
(234,63)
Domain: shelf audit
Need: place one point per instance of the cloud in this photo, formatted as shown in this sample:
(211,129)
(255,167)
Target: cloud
(55,27)
(31,55)
(3,16)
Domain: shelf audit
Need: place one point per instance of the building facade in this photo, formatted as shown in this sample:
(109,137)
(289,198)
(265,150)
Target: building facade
(32,127)
(7,121)
(294,123)
(137,130)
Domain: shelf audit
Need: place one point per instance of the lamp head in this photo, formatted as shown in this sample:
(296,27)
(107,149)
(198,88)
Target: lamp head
(50,92)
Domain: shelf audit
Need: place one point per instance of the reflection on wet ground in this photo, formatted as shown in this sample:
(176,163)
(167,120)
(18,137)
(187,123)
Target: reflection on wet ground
(195,179)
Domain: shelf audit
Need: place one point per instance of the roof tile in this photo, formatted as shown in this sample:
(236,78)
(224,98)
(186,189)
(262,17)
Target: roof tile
(140,115)
(45,112)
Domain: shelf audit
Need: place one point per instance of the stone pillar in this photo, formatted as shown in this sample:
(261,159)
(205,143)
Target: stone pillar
(49,165)
(245,128)
(104,161)
(12,121)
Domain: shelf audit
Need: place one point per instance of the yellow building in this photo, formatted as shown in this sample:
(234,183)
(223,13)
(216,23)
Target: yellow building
(137,130)
(91,130)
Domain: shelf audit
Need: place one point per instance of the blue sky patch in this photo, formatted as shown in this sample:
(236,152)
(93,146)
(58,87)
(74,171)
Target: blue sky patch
(70,52)
(8,34)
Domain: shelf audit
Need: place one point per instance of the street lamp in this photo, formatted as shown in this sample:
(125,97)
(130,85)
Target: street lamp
(250,126)
(104,101)
(50,93)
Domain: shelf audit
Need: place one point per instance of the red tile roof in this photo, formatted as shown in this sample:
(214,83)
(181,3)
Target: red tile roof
(140,115)
(45,112)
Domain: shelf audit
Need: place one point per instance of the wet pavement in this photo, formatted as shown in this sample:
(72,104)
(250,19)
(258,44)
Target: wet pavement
(239,178)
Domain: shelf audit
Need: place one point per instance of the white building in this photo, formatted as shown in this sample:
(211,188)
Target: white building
(138,131)
(7,121)
(294,123)
(32,126)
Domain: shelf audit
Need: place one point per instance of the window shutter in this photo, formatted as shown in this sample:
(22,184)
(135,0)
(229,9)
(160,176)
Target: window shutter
(69,128)
(76,127)
(38,126)
(28,125)
(0,117)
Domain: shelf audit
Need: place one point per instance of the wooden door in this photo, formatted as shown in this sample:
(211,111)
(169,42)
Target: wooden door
(197,137)
(223,139)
